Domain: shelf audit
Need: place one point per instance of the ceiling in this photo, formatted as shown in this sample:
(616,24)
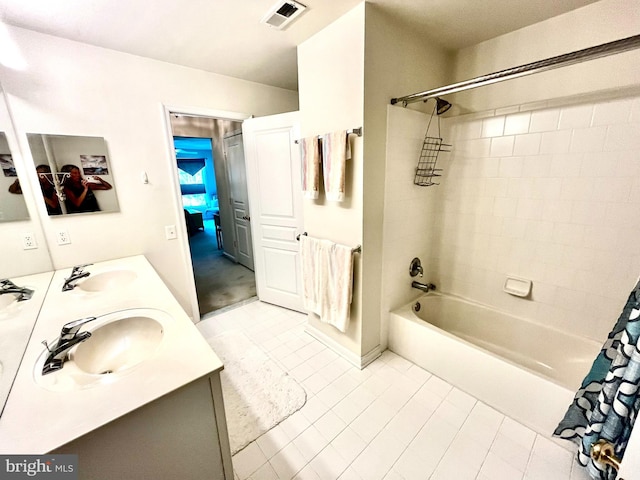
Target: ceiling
(226,36)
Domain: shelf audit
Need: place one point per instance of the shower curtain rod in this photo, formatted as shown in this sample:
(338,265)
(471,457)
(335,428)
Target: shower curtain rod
(578,56)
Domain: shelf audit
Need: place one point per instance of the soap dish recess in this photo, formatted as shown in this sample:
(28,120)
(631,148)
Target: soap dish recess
(520,287)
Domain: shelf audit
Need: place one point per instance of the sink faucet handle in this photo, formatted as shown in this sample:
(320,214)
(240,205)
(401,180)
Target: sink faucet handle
(78,268)
(72,328)
(5,282)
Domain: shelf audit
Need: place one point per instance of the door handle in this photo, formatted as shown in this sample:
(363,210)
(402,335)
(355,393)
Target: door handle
(246,217)
(603,452)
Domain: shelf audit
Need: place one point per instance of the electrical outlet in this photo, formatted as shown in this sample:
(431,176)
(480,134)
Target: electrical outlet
(63,237)
(170,232)
(29,241)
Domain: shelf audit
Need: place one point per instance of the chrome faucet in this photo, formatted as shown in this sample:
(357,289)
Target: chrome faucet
(425,287)
(7,286)
(76,274)
(69,338)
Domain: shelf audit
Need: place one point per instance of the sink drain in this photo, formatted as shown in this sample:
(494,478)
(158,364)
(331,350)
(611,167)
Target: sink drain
(106,372)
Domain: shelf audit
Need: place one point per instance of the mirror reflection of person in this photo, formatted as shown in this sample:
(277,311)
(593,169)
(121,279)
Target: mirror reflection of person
(79,191)
(51,200)
(15,187)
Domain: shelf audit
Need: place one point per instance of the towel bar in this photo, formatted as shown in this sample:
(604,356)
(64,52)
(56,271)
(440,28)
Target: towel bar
(356,249)
(356,131)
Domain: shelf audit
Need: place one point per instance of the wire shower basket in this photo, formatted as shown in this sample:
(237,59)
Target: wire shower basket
(427,171)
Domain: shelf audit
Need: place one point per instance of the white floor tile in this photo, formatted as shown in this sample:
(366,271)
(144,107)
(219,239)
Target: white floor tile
(266,472)
(310,443)
(295,425)
(273,441)
(377,458)
(330,425)
(248,460)
(348,444)
(393,420)
(328,464)
(287,462)
(496,468)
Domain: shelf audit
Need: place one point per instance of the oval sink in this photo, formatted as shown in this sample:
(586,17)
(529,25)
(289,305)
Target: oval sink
(119,342)
(118,345)
(107,280)
(7,300)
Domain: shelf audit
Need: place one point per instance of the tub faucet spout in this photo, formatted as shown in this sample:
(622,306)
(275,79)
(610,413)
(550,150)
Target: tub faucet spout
(425,287)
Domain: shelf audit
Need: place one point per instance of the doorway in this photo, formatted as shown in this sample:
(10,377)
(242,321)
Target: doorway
(213,195)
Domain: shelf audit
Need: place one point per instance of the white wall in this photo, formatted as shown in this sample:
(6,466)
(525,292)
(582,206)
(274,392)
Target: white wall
(331,85)
(600,22)
(398,61)
(76,89)
(16,261)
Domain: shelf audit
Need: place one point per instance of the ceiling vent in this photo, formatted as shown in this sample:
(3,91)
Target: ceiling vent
(283,13)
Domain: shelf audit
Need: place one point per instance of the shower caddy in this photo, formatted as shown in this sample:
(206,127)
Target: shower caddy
(426,170)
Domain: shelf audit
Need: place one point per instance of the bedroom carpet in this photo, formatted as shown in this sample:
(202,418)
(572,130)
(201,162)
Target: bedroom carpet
(220,282)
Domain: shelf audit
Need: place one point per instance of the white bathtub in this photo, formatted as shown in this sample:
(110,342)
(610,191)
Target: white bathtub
(527,371)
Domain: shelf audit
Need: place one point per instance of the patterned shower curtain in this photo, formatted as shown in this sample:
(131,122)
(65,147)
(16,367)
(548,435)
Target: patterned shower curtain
(607,403)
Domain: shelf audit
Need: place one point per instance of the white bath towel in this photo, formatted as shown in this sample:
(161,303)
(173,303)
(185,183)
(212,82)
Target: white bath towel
(327,276)
(335,153)
(310,155)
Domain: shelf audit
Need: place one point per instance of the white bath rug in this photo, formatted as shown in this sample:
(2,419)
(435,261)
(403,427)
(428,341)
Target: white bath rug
(258,394)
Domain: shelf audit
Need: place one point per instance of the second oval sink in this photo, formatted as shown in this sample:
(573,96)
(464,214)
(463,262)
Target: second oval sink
(118,345)
(107,280)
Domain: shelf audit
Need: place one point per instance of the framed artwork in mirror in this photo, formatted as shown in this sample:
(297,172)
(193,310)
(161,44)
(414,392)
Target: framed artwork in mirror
(12,204)
(74,173)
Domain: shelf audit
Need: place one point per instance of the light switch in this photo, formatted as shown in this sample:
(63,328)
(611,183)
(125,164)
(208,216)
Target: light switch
(170,232)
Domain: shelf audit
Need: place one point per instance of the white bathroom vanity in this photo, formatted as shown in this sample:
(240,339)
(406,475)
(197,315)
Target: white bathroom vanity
(140,398)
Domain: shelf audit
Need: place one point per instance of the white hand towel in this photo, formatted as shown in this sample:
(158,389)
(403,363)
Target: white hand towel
(327,276)
(335,153)
(310,155)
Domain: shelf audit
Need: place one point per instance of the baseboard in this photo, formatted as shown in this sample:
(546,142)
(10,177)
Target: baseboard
(353,358)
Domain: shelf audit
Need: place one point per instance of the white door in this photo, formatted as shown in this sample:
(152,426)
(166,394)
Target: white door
(630,465)
(275,194)
(234,153)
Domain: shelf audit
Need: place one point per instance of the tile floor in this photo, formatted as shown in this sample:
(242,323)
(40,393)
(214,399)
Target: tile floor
(392,420)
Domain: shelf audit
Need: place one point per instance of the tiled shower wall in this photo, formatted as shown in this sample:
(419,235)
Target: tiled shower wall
(548,194)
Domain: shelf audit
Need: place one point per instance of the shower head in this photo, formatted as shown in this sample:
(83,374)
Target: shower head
(442,106)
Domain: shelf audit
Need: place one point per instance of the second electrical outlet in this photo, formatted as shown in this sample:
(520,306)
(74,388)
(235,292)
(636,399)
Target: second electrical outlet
(63,237)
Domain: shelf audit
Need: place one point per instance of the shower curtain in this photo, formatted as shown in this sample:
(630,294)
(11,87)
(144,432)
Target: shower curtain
(607,403)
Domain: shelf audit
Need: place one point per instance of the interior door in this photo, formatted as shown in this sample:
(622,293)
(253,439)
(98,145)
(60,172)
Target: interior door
(630,465)
(234,153)
(275,193)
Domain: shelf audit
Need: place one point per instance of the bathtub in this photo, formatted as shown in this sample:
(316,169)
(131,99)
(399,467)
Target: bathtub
(525,370)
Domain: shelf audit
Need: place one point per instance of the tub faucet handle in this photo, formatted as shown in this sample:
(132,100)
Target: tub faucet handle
(415,268)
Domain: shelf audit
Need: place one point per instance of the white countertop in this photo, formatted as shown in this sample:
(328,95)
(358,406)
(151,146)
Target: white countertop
(37,420)
(16,323)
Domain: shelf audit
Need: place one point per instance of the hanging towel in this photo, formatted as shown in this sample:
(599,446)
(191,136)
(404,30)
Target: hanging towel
(327,277)
(335,153)
(608,401)
(310,155)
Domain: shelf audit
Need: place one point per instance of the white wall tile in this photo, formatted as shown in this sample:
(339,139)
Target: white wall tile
(502,146)
(623,137)
(493,127)
(544,120)
(609,113)
(517,124)
(528,144)
(577,116)
(555,142)
(588,139)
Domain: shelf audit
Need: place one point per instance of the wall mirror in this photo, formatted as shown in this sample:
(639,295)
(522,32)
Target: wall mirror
(12,203)
(74,173)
